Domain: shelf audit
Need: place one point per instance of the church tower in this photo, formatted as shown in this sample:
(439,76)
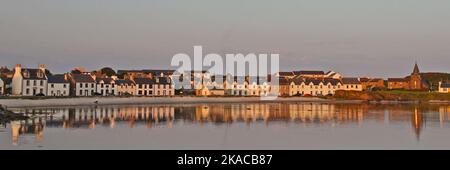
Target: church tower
(415,82)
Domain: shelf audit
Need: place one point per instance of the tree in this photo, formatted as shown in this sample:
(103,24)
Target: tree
(108,71)
(75,72)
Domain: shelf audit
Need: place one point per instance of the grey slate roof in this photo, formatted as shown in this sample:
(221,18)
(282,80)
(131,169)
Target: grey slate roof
(82,78)
(57,79)
(144,81)
(350,81)
(308,72)
(445,85)
(33,74)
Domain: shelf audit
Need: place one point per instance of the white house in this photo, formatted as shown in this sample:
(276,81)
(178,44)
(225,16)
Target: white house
(351,84)
(2,87)
(58,85)
(125,87)
(314,87)
(106,87)
(333,75)
(238,87)
(163,87)
(29,82)
(82,85)
(444,87)
(144,86)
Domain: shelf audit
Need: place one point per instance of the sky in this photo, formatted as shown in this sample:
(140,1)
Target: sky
(381,38)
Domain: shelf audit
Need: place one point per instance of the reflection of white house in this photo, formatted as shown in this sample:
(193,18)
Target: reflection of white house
(82,85)
(444,87)
(106,87)
(29,82)
(2,87)
(58,85)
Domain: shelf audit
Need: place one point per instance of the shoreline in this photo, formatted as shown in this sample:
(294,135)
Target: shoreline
(91,101)
(86,101)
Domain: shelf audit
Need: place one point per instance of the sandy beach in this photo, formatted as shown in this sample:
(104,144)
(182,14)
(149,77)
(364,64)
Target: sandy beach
(147,100)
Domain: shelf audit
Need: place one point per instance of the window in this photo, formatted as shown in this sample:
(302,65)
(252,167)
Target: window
(28,91)
(356,86)
(140,86)
(150,92)
(86,85)
(64,85)
(151,86)
(101,85)
(81,85)
(28,82)
(347,86)
(53,86)
(41,83)
(81,92)
(92,85)
(34,82)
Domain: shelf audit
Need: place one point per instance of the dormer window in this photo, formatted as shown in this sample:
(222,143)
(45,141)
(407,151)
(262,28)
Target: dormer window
(26,74)
(40,74)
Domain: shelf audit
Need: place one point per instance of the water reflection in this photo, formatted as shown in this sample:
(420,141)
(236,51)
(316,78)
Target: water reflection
(166,116)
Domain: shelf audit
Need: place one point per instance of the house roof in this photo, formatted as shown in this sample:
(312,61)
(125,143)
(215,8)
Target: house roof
(82,78)
(286,74)
(144,81)
(283,81)
(331,81)
(313,81)
(298,80)
(33,74)
(350,80)
(6,80)
(105,80)
(122,81)
(308,72)
(158,72)
(397,80)
(445,85)
(57,79)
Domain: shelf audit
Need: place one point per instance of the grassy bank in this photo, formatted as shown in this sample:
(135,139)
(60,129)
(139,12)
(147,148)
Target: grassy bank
(400,95)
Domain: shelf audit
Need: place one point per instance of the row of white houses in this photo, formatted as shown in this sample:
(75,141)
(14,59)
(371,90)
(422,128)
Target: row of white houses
(36,82)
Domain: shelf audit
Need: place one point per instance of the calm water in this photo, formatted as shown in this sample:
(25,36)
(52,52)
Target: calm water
(232,126)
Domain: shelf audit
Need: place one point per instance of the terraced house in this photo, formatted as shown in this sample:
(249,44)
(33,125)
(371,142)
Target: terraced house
(29,82)
(58,85)
(125,87)
(313,87)
(106,87)
(82,85)
(444,87)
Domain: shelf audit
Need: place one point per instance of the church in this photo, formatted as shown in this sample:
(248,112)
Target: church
(412,82)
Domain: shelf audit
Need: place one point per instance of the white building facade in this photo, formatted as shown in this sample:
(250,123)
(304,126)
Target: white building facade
(58,85)
(29,82)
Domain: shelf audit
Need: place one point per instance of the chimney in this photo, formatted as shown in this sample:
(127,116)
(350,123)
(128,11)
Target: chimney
(18,69)
(42,67)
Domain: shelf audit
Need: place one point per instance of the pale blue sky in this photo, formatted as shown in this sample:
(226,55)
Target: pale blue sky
(355,37)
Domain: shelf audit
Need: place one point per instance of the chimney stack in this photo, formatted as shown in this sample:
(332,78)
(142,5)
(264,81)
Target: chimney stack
(18,69)
(42,67)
